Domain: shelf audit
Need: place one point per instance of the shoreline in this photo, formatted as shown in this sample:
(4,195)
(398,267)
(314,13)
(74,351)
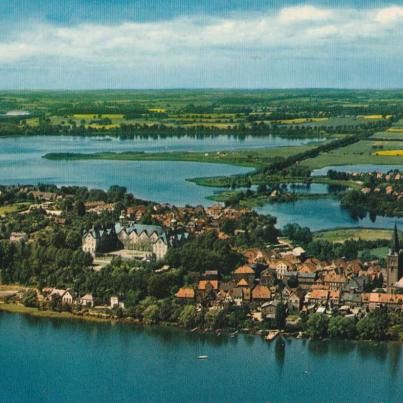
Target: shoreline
(47,314)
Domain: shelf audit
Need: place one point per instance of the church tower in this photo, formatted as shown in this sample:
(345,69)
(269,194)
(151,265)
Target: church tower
(394,261)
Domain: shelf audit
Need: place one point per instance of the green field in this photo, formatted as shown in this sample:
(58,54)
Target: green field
(247,158)
(342,234)
(300,112)
(13,208)
(358,153)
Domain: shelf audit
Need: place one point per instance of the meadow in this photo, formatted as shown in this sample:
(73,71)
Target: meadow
(363,152)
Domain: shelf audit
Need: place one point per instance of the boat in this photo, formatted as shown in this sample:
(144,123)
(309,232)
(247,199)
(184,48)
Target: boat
(202,357)
(272,335)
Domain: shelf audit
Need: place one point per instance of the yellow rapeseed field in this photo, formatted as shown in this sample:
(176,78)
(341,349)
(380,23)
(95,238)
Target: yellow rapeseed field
(390,153)
(374,116)
(157,110)
(87,116)
(302,120)
(107,127)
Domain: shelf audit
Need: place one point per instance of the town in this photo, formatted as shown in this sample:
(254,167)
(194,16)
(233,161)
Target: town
(264,280)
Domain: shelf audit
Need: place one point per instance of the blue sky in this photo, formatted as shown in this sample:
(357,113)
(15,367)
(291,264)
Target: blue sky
(89,44)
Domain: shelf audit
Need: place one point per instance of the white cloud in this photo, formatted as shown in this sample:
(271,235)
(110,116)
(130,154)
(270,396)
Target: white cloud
(305,31)
(389,15)
(304,13)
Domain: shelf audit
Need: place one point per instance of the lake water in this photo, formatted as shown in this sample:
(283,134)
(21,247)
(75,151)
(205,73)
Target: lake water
(320,214)
(160,181)
(47,360)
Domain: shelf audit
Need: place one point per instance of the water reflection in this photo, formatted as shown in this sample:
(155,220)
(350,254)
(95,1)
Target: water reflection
(279,352)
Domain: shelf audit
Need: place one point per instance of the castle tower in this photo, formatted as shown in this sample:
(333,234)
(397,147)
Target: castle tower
(393,261)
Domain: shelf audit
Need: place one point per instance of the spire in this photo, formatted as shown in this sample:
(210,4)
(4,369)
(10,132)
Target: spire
(395,241)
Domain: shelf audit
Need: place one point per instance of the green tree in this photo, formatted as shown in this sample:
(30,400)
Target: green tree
(80,208)
(374,325)
(151,315)
(73,240)
(317,325)
(187,317)
(280,315)
(214,318)
(342,328)
(30,298)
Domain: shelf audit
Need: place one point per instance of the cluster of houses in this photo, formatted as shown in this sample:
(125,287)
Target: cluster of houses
(193,220)
(390,183)
(303,285)
(69,297)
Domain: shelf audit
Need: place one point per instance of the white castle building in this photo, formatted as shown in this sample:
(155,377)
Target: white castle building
(145,241)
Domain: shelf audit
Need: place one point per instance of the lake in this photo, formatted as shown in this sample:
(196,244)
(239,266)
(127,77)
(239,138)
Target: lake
(46,360)
(320,214)
(160,181)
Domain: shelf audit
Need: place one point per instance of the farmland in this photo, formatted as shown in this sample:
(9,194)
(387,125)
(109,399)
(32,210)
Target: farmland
(288,113)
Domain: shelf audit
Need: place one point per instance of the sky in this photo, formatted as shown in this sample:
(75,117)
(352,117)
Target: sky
(99,44)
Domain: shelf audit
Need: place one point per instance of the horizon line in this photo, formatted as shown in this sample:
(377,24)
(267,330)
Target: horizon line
(207,89)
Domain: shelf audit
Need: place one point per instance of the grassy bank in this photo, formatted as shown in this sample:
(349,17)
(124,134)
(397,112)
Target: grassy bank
(224,181)
(21,309)
(246,158)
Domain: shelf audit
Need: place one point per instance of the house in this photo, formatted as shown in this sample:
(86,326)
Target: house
(237,296)
(281,267)
(334,281)
(47,196)
(261,293)
(18,237)
(295,299)
(53,293)
(374,300)
(306,280)
(268,309)
(207,289)
(68,297)
(242,283)
(186,294)
(299,253)
(268,277)
(115,303)
(334,297)
(317,297)
(245,272)
(87,300)
(351,298)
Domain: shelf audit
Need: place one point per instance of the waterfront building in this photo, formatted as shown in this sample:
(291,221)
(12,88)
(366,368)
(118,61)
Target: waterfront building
(394,261)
